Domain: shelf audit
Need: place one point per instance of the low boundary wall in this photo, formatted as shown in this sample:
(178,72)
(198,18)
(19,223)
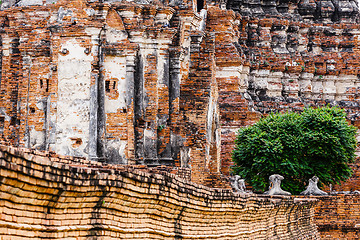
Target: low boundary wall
(44,196)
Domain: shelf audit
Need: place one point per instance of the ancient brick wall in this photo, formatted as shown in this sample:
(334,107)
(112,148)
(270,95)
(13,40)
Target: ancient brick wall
(164,84)
(44,196)
(297,54)
(337,217)
(73,82)
(115,82)
(161,83)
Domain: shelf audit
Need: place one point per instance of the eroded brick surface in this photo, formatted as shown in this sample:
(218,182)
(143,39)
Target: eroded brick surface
(337,217)
(161,83)
(164,84)
(45,196)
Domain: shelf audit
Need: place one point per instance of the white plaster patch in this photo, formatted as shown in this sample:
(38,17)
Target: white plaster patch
(73,106)
(343,83)
(119,146)
(37,138)
(150,134)
(126,14)
(6,46)
(94,33)
(90,12)
(329,88)
(29,2)
(260,78)
(114,35)
(228,71)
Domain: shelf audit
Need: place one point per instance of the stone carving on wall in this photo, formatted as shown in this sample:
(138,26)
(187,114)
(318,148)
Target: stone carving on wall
(237,184)
(312,188)
(275,185)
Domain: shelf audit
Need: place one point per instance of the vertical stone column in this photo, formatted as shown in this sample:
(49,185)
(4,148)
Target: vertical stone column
(94,101)
(357,87)
(150,102)
(164,39)
(14,85)
(151,83)
(290,85)
(130,102)
(244,77)
(315,40)
(194,103)
(303,38)
(293,38)
(318,80)
(174,107)
(260,81)
(163,111)
(154,61)
(55,39)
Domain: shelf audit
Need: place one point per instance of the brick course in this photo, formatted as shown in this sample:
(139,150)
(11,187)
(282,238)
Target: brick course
(44,196)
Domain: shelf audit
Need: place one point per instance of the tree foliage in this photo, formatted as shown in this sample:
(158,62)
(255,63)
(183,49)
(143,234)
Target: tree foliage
(298,146)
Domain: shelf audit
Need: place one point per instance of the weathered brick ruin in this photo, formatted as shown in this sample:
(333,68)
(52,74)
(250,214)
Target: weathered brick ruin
(168,83)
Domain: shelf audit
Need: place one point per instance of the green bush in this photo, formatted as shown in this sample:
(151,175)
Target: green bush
(297,146)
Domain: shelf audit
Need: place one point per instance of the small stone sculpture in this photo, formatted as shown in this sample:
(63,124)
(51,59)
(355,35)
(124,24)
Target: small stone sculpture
(275,185)
(312,188)
(237,184)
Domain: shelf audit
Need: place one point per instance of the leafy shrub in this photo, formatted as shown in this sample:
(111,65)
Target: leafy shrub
(298,146)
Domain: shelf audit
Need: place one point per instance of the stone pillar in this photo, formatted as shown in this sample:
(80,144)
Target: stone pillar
(290,85)
(292,43)
(150,102)
(130,102)
(244,77)
(303,38)
(291,78)
(163,111)
(94,103)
